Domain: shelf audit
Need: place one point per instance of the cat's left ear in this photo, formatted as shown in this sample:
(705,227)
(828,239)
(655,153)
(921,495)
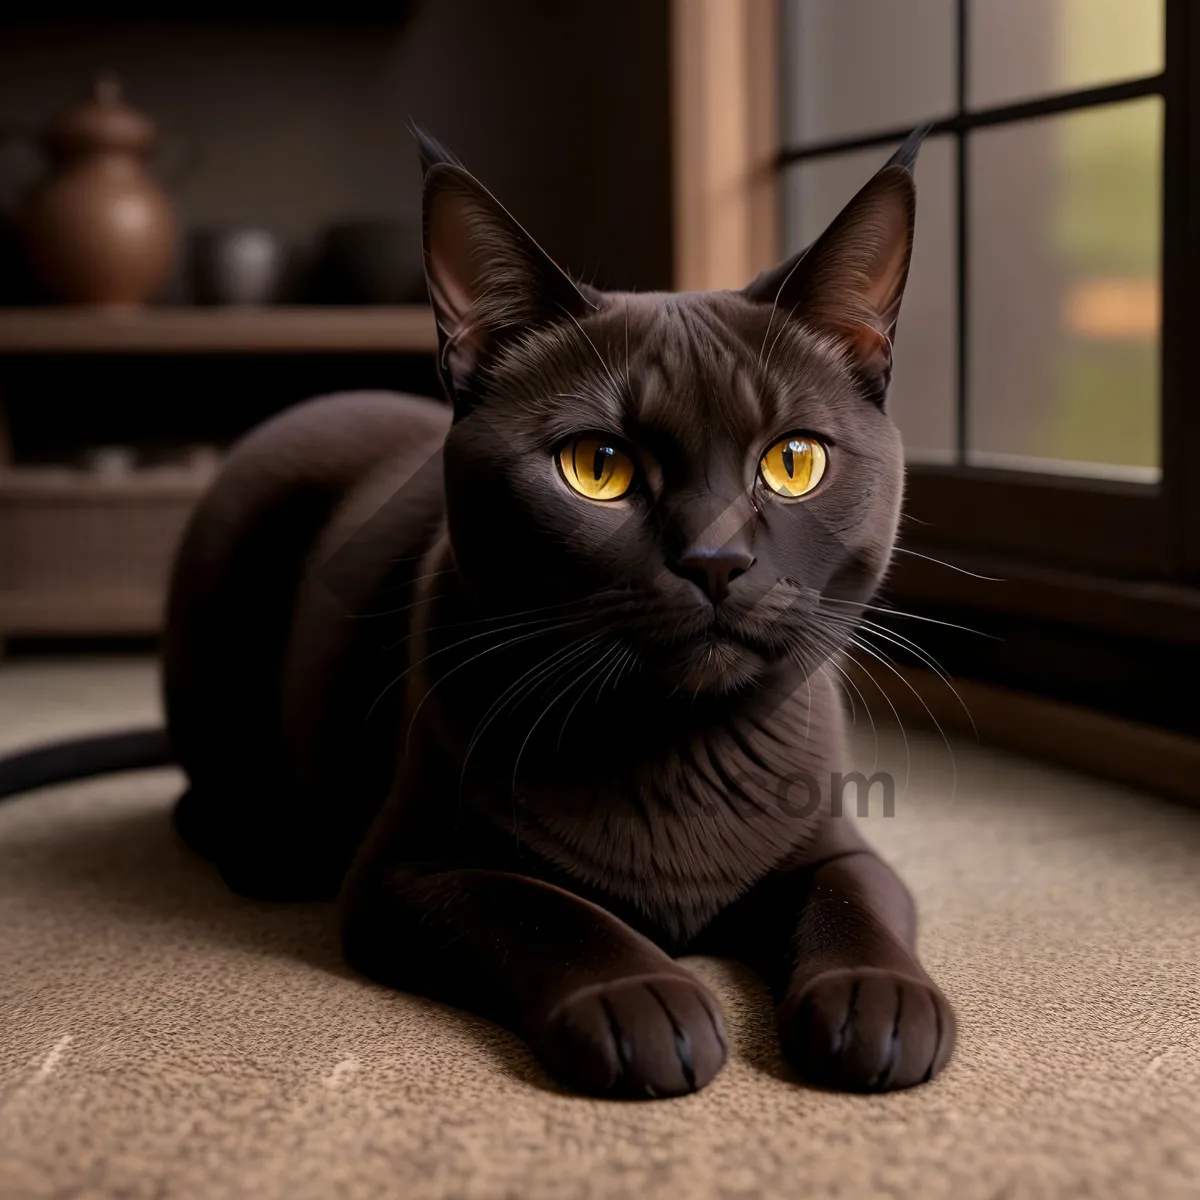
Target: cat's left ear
(849,283)
(489,281)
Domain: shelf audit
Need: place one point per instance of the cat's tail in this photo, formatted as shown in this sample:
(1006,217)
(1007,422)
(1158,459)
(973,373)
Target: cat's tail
(79,758)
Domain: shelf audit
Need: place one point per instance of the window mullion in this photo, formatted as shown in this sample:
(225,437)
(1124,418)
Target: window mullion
(1180,415)
(962,264)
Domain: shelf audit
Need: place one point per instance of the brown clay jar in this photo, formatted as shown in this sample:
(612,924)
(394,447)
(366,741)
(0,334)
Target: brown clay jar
(99,229)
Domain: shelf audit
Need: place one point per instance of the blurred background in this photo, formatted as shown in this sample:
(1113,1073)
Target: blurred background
(209,216)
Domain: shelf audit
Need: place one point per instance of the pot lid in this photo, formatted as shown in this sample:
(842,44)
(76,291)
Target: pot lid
(102,121)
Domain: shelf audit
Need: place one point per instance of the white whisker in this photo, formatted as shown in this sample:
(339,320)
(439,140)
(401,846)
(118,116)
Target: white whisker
(771,318)
(613,656)
(866,708)
(454,671)
(950,749)
(949,566)
(897,612)
(600,357)
(899,723)
(520,685)
(454,646)
(558,696)
(869,628)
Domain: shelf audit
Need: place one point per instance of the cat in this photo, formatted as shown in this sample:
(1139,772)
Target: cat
(530,678)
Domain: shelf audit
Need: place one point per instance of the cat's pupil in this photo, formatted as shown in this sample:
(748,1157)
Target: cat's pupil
(789,459)
(603,453)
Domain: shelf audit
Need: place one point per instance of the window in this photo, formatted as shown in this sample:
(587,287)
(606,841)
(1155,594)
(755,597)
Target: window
(1044,374)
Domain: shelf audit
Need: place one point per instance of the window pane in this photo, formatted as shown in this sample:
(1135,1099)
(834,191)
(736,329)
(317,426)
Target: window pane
(922,399)
(855,66)
(1025,48)
(1065,237)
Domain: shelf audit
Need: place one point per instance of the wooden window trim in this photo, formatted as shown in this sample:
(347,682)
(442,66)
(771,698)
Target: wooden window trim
(1096,527)
(725,99)
(1152,611)
(1126,751)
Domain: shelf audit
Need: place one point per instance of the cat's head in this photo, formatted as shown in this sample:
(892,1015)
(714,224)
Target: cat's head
(705,482)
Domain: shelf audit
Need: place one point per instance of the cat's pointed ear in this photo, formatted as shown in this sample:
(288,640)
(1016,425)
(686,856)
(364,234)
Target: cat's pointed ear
(431,150)
(488,279)
(849,283)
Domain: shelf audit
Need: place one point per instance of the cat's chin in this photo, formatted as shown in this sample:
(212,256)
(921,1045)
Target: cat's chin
(717,666)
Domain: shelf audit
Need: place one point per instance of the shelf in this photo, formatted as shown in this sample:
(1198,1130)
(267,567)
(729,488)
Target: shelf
(298,329)
(50,484)
(90,553)
(108,612)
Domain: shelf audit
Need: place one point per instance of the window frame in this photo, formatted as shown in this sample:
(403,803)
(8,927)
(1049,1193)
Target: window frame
(1138,530)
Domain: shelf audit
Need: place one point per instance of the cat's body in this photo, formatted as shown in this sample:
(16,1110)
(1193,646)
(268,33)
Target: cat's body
(545,683)
(312,584)
(271,664)
(289,713)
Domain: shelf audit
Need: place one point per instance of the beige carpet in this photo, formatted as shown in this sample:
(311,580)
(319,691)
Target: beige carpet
(161,1038)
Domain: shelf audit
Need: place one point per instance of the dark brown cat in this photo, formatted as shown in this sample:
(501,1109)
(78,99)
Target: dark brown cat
(581,632)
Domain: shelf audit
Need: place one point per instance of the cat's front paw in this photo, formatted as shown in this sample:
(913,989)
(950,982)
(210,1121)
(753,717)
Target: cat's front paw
(867,1030)
(641,1037)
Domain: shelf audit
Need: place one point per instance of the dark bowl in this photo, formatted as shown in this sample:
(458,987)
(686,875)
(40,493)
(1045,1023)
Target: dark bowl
(372,262)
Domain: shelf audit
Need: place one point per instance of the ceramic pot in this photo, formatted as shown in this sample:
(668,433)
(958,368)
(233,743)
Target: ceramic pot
(99,229)
(237,265)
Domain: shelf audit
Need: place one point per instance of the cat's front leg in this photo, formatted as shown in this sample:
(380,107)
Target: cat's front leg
(857,1010)
(605,1010)
(836,936)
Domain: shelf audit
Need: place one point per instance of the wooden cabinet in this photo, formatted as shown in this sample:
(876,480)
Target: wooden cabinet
(86,552)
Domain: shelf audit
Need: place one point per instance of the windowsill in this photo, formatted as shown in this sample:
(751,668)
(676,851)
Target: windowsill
(1159,612)
(1162,762)
(1039,469)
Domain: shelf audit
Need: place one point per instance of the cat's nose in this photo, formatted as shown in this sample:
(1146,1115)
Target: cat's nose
(713,570)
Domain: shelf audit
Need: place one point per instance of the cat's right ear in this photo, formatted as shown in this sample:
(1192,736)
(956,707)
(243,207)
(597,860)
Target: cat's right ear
(489,281)
(849,283)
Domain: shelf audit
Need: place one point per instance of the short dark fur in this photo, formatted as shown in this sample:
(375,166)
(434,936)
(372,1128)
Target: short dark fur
(589,713)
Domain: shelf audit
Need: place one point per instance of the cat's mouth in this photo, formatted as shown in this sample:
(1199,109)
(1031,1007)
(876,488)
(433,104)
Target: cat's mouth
(744,632)
(718,658)
(719,662)
(725,635)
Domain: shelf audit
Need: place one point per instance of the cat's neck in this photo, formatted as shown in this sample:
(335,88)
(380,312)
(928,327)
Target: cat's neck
(564,690)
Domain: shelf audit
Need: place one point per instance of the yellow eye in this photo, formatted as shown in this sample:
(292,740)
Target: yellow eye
(596,468)
(794,465)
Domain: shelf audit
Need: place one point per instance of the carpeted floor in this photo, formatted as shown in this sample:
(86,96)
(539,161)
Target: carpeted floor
(162,1038)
